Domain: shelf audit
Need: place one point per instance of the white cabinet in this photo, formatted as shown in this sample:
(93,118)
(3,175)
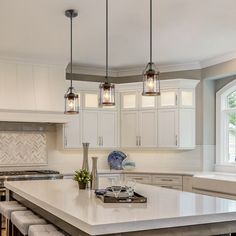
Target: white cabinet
(138,128)
(160,180)
(148,128)
(167,128)
(25,86)
(100,128)
(108,129)
(186,136)
(72,133)
(176,128)
(90,128)
(187,98)
(168,181)
(168,98)
(133,100)
(129,129)
(139,178)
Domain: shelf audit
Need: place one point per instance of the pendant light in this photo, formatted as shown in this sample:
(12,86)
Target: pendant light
(71,97)
(151,80)
(107,90)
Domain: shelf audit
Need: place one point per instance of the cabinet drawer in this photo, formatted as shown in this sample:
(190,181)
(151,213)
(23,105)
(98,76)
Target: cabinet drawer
(167,180)
(177,187)
(144,179)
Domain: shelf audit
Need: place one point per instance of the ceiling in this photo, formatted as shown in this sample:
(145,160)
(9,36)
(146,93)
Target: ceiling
(184,30)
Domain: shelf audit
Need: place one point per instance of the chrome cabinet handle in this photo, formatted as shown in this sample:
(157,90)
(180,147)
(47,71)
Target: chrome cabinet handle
(136,140)
(65,141)
(102,141)
(176,99)
(99,141)
(176,140)
(139,140)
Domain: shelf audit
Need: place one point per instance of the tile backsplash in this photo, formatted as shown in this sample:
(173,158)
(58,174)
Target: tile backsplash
(23,148)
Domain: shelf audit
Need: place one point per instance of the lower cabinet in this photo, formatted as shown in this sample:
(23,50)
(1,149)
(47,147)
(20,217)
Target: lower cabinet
(161,180)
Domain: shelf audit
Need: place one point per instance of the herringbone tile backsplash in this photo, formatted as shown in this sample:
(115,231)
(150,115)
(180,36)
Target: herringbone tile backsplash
(23,148)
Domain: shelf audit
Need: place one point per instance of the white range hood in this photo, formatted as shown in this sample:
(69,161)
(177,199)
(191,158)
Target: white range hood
(34,116)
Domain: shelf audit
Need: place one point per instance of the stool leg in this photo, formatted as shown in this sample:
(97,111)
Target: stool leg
(0,224)
(10,227)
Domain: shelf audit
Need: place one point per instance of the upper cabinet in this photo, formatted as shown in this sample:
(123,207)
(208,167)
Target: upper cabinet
(187,98)
(32,87)
(133,100)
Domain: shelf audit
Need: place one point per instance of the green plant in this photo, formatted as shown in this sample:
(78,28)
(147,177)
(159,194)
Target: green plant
(82,176)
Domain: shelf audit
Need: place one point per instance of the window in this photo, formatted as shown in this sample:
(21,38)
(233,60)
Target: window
(226,124)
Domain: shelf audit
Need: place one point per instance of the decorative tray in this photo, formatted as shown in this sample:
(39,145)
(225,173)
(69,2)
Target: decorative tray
(136,198)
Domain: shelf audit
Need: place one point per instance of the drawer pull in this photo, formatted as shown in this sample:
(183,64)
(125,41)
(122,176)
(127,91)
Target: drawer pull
(169,180)
(138,178)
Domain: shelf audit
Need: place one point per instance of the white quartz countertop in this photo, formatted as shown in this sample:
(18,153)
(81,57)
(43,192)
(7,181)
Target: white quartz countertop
(165,207)
(138,171)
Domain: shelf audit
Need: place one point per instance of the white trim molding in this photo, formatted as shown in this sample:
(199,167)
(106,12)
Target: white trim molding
(221,122)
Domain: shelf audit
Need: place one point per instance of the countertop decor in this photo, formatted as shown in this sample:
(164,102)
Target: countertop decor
(82,177)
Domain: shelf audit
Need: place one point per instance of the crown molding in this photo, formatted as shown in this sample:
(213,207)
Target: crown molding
(217,60)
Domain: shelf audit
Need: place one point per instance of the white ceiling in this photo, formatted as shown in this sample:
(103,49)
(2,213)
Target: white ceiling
(184,30)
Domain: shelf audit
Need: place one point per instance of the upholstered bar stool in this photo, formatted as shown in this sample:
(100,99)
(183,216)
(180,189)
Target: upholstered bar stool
(44,230)
(6,208)
(21,221)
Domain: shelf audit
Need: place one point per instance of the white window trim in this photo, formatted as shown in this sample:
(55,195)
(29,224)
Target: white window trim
(221,133)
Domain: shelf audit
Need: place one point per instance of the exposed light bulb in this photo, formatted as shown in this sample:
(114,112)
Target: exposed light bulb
(106,95)
(71,104)
(150,84)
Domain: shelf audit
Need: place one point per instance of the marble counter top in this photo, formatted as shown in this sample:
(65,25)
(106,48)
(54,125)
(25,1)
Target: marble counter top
(165,207)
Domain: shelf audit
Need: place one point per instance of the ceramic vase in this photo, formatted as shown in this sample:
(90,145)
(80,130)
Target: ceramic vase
(85,165)
(94,174)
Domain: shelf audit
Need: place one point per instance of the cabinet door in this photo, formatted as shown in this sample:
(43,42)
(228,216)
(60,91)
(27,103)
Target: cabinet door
(129,100)
(187,128)
(42,92)
(168,98)
(9,94)
(90,100)
(25,86)
(72,133)
(167,128)
(148,128)
(129,126)
(90,128)
(108,129)
(187,98)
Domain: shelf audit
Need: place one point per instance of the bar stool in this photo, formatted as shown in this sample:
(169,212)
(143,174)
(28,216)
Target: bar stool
(21,221)
(44,230)
(6,208)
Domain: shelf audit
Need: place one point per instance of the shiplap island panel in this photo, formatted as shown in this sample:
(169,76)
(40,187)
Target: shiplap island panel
(164,210)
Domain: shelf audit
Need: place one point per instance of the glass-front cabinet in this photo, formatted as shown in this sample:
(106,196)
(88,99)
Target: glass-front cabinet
(136,121)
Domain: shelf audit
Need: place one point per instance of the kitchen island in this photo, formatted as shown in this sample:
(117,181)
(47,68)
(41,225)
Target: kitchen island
(167,212)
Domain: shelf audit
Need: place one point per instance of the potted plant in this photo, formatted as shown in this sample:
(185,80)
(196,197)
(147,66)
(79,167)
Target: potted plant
(82,177)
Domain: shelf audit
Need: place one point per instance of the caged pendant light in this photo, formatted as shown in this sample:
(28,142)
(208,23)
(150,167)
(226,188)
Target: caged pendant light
(107,89)
(151,80)
(71,98)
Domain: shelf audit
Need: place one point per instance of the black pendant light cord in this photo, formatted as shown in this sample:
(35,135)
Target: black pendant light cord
(151,32)
(107,41)
(71,50)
